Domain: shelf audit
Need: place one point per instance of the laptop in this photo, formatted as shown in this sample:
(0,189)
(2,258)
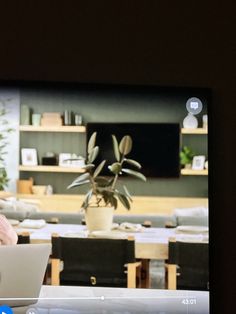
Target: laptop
(22,269)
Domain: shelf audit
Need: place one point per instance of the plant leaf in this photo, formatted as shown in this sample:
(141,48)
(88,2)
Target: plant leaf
(102,181)
(124,200)
(113,201)
(135,174)
(133,163)
(91,142)
(93,154)
(88,166)
(99,168)
(127,193)
(116,148)
(125,145)
(87,199)
(73,185)
(82,179)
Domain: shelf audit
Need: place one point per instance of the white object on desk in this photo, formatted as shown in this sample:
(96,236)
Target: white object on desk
(187,238)
(33,223)
(130,227)
(108,235)
(81,234)
(192,229)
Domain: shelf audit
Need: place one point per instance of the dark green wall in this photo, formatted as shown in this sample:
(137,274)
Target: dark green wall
(114,105)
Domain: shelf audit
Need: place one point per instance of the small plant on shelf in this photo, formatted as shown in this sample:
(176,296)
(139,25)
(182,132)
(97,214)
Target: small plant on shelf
(186,157)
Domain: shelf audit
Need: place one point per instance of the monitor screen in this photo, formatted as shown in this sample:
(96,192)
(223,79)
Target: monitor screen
(155,146)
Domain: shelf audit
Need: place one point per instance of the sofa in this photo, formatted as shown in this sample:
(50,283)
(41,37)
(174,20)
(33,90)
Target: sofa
(158,221)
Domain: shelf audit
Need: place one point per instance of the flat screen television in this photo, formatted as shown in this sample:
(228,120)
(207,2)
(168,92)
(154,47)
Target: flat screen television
(156,146)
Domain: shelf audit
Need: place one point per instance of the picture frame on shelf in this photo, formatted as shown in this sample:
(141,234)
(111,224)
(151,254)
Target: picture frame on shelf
(29,157)
(198,162)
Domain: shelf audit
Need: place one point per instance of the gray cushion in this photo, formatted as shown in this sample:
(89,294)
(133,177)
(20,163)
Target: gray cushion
(192,220)
(11,214)
(63,218)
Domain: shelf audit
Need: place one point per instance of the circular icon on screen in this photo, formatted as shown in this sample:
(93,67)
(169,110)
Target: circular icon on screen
(194,105)
(5,309)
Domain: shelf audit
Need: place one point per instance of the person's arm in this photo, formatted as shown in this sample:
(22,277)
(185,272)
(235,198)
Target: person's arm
(7,233)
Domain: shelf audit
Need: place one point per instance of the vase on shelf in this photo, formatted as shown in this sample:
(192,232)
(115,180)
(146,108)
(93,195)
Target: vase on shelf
(190,122)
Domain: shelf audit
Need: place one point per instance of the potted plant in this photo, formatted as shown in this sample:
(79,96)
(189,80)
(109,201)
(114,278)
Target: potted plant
(103,194)
(4,130)
(186,157)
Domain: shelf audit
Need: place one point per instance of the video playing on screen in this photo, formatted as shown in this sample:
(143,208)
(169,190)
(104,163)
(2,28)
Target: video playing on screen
(103,199)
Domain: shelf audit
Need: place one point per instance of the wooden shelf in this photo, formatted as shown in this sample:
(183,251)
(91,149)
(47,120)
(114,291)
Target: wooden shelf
(63,128)
(194,131)
(82,129)
(50,169)
(191,172)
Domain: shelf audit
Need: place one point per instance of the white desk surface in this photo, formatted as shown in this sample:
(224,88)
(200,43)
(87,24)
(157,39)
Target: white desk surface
(151,243)
(71,300)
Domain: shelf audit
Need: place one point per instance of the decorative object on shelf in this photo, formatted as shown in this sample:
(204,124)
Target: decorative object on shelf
(24,115)
(204,121)
(103,195)
(77,161)
(64,160)
(71,160)
(50,159)
(186,157)
(24,186)
(36,119)
(78,119)
(49,190)
(4,131)
(198,162)
(51,119)
(29,157)
(39,189)
(190,122)
(206,164)
(67,117)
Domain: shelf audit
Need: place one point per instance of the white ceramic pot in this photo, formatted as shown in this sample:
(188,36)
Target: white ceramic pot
(190,122)
(99,218)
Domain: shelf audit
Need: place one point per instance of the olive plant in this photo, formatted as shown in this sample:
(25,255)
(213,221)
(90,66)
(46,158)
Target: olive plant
(103,191)
(4,130)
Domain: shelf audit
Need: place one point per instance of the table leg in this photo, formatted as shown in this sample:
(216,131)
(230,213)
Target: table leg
(145,274)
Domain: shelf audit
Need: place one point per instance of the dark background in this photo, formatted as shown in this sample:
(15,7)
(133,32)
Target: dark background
(174,43)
